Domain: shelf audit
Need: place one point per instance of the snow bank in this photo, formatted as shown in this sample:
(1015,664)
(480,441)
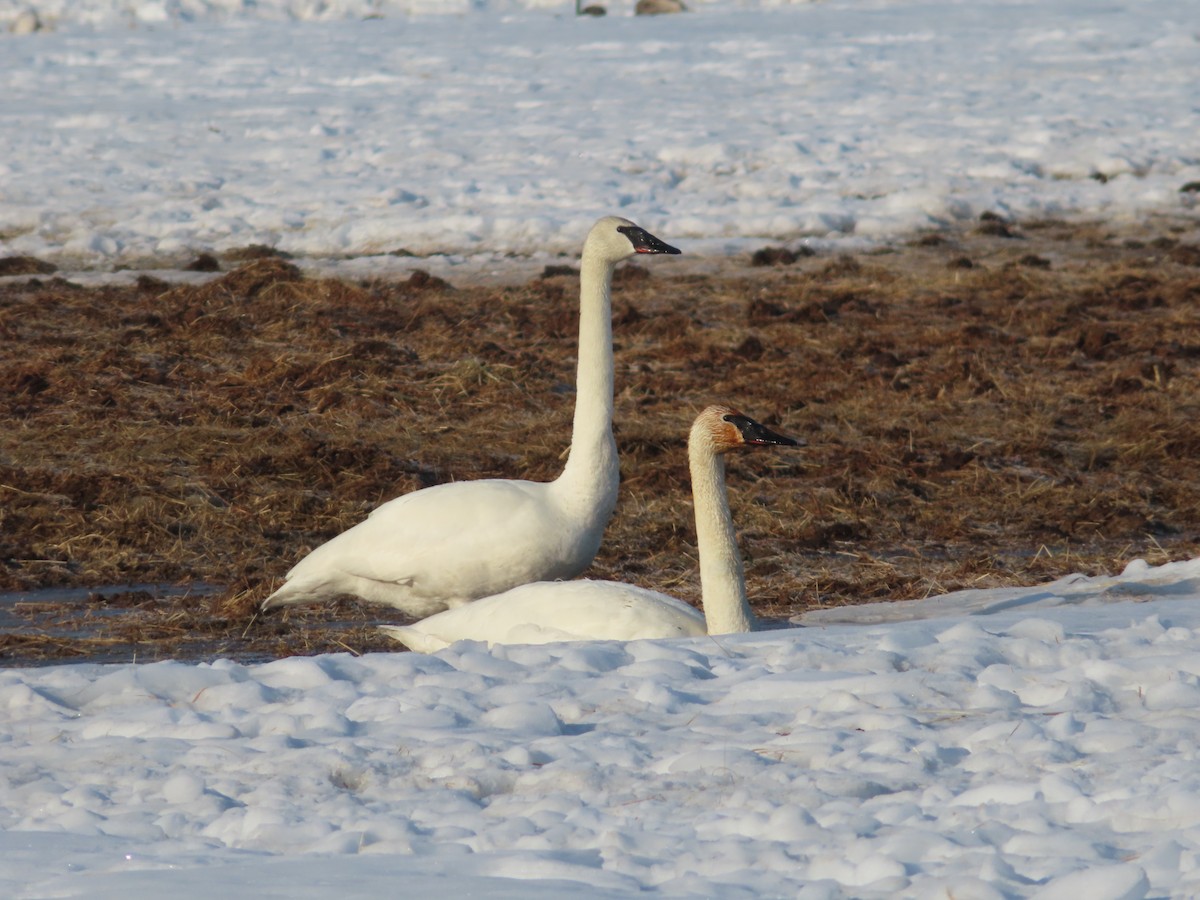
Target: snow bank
(1036,751)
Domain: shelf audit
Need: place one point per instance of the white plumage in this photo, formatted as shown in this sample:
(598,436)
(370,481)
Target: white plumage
(447,545)
(548,611)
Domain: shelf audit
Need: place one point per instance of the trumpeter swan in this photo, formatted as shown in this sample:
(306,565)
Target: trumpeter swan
(608,610)
(446,545)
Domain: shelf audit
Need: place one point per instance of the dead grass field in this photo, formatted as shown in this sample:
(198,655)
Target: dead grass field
(989,408)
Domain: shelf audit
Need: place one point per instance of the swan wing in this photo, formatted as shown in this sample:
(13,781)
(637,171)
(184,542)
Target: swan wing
(444,545)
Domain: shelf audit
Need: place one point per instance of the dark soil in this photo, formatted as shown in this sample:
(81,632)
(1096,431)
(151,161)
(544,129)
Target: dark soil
(981,409)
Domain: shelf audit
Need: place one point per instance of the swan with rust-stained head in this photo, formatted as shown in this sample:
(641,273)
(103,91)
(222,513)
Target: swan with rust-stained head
(547,611)
(447,545)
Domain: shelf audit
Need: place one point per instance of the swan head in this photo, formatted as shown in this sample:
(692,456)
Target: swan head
(725,428)
(614,239)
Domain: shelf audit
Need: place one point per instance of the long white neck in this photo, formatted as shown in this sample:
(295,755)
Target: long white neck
(592,472)
(722,579)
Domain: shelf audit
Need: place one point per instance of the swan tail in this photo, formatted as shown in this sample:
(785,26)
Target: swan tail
(288,593)
(413,639)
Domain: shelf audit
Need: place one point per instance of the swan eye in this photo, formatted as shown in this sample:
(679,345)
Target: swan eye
(740,424)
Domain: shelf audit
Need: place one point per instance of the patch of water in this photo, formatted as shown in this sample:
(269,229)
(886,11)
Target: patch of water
(13,621)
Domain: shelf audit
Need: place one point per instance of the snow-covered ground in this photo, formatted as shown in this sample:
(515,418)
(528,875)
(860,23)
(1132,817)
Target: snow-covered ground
(1037,742)
(141,132)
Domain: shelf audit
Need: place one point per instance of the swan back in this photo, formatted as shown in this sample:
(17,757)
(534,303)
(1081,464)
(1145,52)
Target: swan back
(551,611)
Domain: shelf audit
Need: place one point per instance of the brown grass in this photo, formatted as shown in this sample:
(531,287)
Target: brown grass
(979,411)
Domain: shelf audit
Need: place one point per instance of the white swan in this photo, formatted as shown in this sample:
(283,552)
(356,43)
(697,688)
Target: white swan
(446,545)
(608,610)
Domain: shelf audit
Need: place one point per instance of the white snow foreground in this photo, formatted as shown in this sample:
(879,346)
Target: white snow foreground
(1047,749)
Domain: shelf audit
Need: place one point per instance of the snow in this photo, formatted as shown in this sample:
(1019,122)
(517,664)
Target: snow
(1028,742)
(979,744)
(139,133)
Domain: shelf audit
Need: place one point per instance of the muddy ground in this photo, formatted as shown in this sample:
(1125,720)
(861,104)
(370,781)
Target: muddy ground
(999,406)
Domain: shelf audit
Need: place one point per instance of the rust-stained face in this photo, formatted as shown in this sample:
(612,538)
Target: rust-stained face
(729,429)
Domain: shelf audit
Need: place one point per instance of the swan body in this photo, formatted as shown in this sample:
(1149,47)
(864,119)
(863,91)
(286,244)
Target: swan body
(443,546)
(546,612)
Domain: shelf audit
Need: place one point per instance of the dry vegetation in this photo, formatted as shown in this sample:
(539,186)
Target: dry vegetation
(980,409)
